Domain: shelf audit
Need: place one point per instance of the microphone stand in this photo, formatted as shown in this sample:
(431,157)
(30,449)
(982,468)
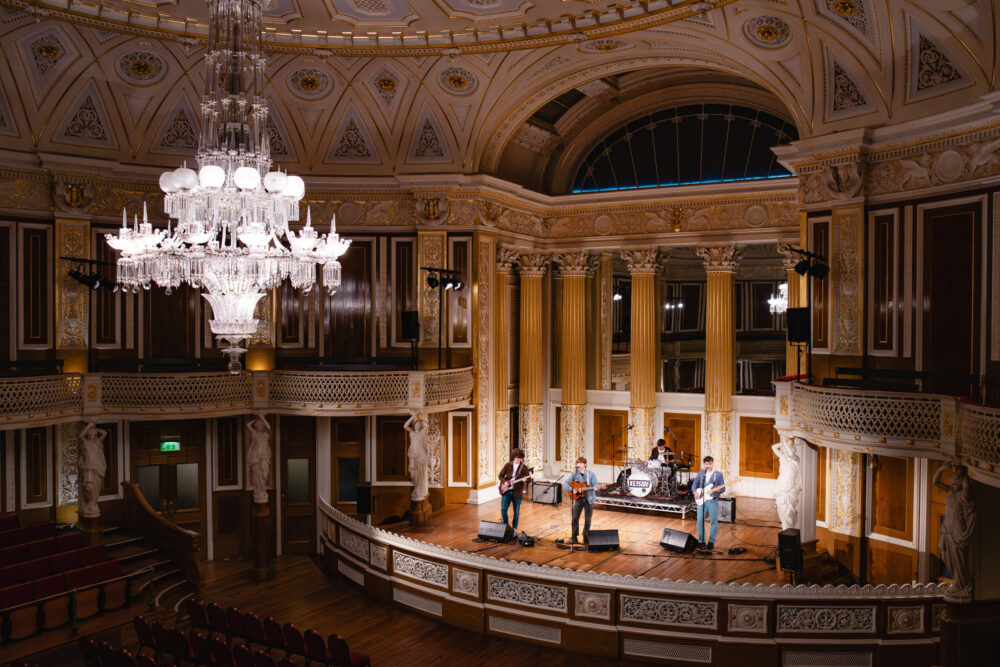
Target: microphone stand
(614,450)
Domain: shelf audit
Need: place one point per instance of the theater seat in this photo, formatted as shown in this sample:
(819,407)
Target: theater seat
(12,555)
(40,548)
(65,561)
(93,555)
(35,569)
(9,521)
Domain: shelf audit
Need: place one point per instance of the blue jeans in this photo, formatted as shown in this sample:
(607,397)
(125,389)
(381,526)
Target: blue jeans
(713,515)
(505,501)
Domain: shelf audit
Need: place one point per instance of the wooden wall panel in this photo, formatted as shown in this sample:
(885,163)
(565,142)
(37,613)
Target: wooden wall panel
(37,466)
(821,483)
(169,322)
(892,496)
(607,422)
(227,452)
(106,311)
(36,295)
(347,450)
(820,232)
(882,260)
(757,434)
(403,285)
(391,442)
(291,312)
(6,290)
(347,314)
(459,302)
(110,486)
(891,564)
(459,451)
(687,428)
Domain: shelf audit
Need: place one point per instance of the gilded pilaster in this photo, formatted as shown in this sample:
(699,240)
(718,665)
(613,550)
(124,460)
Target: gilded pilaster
(644,350)
(72,312)
(788,260)
(720,339)
(431,251)
(506,258)
(845,492)
(599,331)
(574,267)
(847,273)
(532,269)
(483,355)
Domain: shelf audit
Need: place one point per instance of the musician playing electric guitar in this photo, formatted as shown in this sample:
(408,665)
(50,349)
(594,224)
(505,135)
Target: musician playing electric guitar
(581,486)
(707,485)
(512,477)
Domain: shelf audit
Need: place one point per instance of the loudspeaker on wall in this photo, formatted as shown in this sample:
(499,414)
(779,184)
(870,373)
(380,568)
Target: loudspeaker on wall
(797,320)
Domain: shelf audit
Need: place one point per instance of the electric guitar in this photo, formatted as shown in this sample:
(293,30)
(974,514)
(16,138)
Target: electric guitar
(509,483)
(706,492)
(579,490)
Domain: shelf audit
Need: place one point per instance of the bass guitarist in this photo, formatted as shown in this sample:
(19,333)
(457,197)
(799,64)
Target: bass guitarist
(581,485)
(512,477)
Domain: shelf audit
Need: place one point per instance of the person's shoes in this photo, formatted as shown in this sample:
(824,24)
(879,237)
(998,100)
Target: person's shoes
(701,545)
(572,540)
(711,545)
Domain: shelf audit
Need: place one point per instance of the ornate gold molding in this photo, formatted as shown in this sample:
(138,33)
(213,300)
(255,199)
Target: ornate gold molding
(720,259)
(72,313)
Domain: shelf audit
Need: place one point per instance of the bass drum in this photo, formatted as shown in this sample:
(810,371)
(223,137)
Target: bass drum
(639,484)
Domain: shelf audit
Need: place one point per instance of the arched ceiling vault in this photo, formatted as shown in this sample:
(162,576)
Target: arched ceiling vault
(81,83)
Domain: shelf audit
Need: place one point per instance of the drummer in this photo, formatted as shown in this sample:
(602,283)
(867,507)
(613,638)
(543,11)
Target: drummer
(662,454)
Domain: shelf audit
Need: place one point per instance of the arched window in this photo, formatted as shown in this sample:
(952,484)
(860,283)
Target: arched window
(695,143)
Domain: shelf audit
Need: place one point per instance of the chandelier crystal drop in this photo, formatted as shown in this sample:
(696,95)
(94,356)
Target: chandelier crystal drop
(779,304)
(229,233)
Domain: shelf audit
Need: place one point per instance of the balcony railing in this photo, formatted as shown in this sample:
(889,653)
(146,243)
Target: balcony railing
(35,401)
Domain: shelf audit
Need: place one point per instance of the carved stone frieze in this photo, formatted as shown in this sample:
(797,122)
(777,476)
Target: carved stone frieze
(679,613)
(720,259)
(379,557)
(464,581)
(427,571)
(527,594)
(748,618)
(826,619)
(574,263)
(591,604)
(533,264)
(905,619)
(355,544)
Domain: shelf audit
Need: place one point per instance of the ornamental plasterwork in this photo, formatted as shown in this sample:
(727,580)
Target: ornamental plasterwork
(435,448)
(847,268)
(179,133)
(86,124)
(844,485)
(642,437)
(465,582)
(571,426)
(574,263)
(141,67)
(527,594)
(355,544)
(72,317)
(431,252)
(937,613)
(309,82)
(845,96)
(458,81)
(641,261)
(905,620)
(533,264)
(379,557)
(853,12)
(767,32)
(720,259)
(826,619)
(420,569)
(68,436)
(506,259)
(591,604)
(484,399)
(678,613)
(748,618)
(532,434)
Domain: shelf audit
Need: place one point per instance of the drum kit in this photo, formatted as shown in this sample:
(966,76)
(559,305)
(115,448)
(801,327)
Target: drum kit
(653,478)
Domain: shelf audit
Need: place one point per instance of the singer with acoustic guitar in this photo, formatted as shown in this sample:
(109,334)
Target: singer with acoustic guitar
(581,487)
(707,485)
(512,477)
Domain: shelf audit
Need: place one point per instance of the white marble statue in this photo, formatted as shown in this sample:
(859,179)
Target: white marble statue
(788,491)
(419,456)
(956,531)
(259,457)
(91,468)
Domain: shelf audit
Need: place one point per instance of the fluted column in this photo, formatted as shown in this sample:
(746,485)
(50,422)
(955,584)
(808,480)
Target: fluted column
(788,261)
(573,354)
(720,363)
(532,269)
(643,350)
(506,258)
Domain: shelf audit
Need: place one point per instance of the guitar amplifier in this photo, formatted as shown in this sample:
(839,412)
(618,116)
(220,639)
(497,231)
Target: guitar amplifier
(727,510)
(548,493)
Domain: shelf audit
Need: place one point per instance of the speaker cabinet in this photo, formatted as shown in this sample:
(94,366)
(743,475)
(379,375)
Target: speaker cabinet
(797,320)
(603,540)
(790,550)
(549,493)
(409,325)
(494,531)
(678,541)
(727,510)
(364,497)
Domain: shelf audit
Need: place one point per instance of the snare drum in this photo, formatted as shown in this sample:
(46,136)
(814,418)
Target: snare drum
(639,484)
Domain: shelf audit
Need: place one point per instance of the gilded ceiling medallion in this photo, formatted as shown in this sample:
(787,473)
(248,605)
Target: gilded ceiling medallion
(606,45)
(141,67)
(309,82)
(386,84)
(767,32)
(47,52)
(845,8)
(459,81)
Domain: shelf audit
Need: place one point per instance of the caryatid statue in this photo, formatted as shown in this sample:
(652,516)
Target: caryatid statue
(259,457)
(956,531)
(788,491)
(91,468)
(419,457)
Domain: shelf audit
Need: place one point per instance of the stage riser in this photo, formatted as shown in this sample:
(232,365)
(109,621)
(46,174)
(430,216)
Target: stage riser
(633,619)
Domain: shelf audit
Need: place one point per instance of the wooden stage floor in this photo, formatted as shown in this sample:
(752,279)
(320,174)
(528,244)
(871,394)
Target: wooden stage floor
(457,525)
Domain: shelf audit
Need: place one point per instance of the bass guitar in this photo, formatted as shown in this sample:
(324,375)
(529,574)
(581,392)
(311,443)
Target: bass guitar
(579,490)
(509,483)
(706,492)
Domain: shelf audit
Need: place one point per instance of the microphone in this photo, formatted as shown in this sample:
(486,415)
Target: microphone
(631,426)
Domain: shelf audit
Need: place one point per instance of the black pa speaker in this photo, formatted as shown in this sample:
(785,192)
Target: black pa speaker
(727,510)
(363,495)
(409,325)
(790,550)
(678,541)
(494,531)
(549,493)
(603,540)
(797,320)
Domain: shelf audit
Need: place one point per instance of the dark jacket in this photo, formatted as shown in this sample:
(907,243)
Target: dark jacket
(508,472)
(655,454)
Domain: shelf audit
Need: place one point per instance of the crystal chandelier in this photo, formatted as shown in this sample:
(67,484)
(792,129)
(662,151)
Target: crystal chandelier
(232,214)
(779,304)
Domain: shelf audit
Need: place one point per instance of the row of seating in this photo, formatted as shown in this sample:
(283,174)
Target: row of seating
(54,584)
(269,633)
(29,570)
(10,520)
(17,553)
(103,655)
(22,534)
(198,649)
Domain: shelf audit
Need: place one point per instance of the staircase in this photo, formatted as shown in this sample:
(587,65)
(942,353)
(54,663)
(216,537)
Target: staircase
(166,586)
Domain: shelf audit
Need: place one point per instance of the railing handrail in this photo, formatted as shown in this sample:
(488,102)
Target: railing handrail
(182,544)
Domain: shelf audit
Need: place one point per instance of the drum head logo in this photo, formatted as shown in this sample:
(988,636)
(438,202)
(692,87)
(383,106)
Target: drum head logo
(639,483)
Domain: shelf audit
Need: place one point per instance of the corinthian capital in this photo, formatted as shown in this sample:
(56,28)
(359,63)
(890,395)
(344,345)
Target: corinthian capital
(789,258)
(720,259)
(641,261)
(506,259)
(574,263)
(533,264)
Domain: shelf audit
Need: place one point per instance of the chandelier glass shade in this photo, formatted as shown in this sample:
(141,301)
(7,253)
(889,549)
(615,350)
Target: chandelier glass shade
(229,232)
(779,304)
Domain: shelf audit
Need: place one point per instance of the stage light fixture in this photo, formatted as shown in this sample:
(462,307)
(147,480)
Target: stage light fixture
(819,271)
(94,280)
(432,281)
(449,283)
(802,266)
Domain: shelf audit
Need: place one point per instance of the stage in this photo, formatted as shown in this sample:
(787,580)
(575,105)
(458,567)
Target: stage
(456,526)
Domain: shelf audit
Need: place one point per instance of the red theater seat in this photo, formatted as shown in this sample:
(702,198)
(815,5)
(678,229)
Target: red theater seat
(35,569)
(80,577)
(48,586)
(40,548)
(65,561)
(14,536)
(15,595)
(69,541)
(10,575)
(9,521)
(41,531)
(93,555)
(14,554)
(109,569)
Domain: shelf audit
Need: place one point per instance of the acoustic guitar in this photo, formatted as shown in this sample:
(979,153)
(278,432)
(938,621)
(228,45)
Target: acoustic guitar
(579,490)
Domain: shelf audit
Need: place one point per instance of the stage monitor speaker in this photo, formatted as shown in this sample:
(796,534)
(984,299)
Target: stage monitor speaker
(409,325)
(494,531)
(727,510)
(678,541)
(603,540)
(790,550)
(363,496)
(549,493)
(797,320)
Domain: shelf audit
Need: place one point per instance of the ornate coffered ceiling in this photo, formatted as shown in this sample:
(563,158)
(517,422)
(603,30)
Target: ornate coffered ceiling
(102,84)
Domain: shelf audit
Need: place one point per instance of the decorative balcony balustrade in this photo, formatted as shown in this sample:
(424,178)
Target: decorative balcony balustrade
(36,401)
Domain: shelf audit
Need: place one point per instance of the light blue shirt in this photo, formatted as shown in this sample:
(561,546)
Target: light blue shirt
(590,477)
(715,479)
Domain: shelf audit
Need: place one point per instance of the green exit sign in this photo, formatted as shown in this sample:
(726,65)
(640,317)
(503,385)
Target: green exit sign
(170,446)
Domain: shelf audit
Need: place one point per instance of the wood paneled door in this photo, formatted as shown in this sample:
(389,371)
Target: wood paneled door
(172,480)
(298,485)
(347,461)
